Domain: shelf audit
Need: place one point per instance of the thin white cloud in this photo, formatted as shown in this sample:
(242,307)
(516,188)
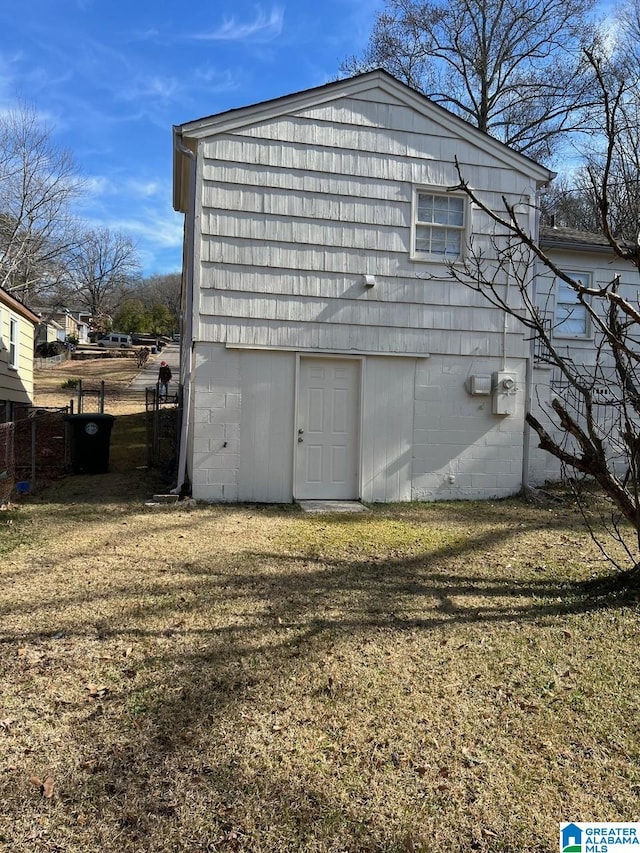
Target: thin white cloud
(145,189)
(150,34)
(152,228)
(609,33)
(10,73)
(266,26)
(157,233)
(162,88)
(98,186)
(215,80)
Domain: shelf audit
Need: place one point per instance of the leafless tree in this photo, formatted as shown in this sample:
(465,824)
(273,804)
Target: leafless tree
(576,200)
(513,68)
(569,202)
(164,290)
(100,271)
(38,182)
(593,425)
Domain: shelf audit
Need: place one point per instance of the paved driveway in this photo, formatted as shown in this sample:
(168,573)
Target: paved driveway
(148,376)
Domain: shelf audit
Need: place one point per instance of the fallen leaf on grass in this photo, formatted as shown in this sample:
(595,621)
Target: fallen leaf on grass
(45,785)
(528,706)
(96,691)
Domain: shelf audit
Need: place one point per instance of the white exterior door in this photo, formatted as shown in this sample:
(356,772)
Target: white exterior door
(327,429)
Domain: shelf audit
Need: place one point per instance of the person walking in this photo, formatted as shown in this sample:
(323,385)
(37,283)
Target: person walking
(164,377)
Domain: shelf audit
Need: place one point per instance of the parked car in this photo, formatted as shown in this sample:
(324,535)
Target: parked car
(114,339)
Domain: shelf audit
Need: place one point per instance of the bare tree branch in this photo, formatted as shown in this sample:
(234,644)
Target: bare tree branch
(513,69)
(38,182)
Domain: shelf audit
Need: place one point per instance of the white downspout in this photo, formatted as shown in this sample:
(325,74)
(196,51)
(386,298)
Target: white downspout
(188,330)
(528,390)
(505,319)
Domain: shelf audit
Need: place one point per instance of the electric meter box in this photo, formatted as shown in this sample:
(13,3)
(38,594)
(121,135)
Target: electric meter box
(505,387)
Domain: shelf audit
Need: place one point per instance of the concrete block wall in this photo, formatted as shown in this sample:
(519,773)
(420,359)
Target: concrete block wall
(543,467)
(460,448)
(216,423)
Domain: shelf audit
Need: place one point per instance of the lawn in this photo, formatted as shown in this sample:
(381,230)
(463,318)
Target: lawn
(52,391)
(420,677)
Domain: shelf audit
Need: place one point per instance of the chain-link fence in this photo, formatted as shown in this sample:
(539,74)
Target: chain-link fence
(33,450)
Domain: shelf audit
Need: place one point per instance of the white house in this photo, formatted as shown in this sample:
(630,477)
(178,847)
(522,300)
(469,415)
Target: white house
(587,258)
(326,353)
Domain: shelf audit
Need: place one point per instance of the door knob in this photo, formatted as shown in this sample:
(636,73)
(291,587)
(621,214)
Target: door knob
(300,439)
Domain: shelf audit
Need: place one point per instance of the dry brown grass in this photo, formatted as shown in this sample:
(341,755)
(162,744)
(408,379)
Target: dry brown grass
(417,678)
(117,374)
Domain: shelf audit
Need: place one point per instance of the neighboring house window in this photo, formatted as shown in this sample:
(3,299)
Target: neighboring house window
(439,225)
(571,319)
(13,342)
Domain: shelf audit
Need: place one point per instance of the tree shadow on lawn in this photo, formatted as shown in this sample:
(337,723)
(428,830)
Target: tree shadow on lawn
(144,763)
(375,587)
(228,677)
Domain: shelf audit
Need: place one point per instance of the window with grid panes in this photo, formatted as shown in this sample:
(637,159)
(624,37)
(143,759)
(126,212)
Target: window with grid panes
(439,226)
(571,316)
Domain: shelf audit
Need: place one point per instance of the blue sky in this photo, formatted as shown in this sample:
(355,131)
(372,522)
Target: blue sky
(111,78)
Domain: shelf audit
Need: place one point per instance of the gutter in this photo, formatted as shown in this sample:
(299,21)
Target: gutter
(187,349)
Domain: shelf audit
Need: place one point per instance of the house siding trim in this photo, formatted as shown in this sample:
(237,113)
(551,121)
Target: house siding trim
(334,353)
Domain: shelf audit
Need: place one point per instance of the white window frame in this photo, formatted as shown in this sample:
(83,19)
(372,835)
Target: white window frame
(14,341)
(434,226)
(570,306)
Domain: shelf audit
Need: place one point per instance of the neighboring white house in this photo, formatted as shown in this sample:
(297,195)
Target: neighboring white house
(326,353)
(17,331)
(589,259)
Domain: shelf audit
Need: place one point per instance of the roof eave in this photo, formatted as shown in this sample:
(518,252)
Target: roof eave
(575,246)
(19,307)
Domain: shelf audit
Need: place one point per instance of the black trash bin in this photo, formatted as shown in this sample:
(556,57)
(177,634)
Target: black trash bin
(90,440)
